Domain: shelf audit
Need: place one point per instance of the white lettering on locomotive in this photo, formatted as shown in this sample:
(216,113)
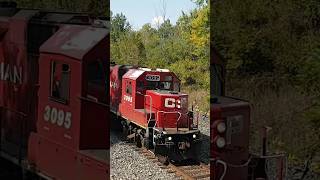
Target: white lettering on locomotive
(10,73)
(178,104)
(152,77)
(58,117)
(113,85)
(172,103)
(127,98)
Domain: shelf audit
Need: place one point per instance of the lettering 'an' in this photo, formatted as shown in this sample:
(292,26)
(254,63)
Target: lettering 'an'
(10,73)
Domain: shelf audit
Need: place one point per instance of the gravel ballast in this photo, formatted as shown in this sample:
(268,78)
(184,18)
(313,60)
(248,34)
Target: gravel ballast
(204,127)
(126,163)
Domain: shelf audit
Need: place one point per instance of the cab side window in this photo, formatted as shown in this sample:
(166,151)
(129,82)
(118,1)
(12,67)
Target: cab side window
(140,85)
(60,82)
(129,88)
(176,87)
(95,73)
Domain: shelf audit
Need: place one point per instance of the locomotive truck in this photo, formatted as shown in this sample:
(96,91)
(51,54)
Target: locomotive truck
(53,103)
(230,158)
(153,111)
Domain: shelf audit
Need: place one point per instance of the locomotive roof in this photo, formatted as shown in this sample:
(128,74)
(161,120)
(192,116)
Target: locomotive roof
(74,40)
(133,74)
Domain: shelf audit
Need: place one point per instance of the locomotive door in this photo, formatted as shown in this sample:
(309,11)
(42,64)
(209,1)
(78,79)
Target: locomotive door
(94,108)
(139,101)
(96,88)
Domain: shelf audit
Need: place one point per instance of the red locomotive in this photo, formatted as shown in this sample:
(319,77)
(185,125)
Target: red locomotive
(230,120)
(230,126)
(152,109)
(53,103)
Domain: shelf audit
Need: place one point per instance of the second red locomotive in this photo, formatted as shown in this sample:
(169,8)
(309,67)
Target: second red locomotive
(53,111)
(230,157)
(153,110)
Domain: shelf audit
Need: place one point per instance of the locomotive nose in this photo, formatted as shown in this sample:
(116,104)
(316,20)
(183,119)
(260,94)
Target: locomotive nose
(177,103)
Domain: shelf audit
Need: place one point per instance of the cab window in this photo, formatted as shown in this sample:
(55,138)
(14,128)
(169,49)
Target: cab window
(129,88)
(158,85)
(60,82)
(165,85)
(95,73)
(176,87)
(140,85)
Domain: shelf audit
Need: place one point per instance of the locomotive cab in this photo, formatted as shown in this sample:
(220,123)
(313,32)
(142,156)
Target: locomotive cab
(72,112)
(116,74)
(229,124)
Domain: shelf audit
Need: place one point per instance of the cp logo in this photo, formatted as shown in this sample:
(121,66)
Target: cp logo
(172,103)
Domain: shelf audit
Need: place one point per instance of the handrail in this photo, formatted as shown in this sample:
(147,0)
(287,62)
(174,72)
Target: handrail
(14,111)
(90,100)
(150,107)
(153,140)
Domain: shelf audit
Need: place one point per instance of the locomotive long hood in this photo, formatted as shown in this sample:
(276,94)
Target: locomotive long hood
(74,40)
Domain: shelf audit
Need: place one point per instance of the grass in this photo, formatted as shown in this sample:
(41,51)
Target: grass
(199,98)
(283,107)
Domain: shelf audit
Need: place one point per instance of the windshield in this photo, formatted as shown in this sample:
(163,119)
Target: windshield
(216,79)
(159,85)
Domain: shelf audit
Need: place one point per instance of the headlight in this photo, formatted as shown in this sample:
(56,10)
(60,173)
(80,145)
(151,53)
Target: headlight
(221,127)
(169,138)
(220,142)
(194,136)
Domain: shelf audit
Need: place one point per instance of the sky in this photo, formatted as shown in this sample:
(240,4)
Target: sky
(140,12)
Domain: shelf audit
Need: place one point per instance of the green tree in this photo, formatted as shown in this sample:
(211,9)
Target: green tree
(183,48)
(120,26)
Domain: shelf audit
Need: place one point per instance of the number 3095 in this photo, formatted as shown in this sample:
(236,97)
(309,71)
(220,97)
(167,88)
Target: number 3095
(56,116)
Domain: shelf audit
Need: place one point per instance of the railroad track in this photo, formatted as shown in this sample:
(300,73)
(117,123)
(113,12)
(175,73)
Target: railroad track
(186,172)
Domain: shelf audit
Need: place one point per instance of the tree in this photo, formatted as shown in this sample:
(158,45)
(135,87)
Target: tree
(183,48)
(272,47)
(120,26)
